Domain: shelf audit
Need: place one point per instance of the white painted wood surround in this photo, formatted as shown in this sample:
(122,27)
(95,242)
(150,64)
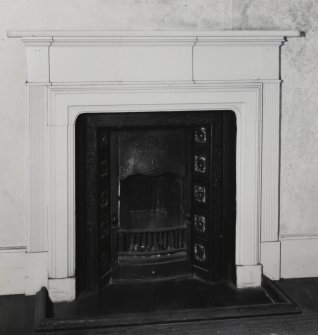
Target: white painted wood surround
(74,72)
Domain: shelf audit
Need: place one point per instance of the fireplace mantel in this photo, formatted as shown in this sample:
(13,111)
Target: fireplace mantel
(74,72)
(61,57)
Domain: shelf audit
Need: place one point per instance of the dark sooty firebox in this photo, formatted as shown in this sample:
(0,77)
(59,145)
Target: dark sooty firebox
(155,196)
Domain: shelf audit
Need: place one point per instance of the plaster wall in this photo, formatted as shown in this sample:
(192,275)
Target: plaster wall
(299,128)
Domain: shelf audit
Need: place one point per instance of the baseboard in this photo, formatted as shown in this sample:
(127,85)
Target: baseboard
(270,259)
(36,272)
(299,256)
(22,272)
(12,270)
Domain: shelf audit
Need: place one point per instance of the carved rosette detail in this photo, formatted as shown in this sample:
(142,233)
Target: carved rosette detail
(200,164)
(200,193)
(200,135)
(199,223)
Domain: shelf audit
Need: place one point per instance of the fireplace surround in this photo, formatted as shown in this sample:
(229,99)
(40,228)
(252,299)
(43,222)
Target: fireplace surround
(71,73)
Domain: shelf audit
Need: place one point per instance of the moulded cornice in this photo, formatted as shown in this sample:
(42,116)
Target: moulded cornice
(159,33)
(126,38)
(65,37)
(37,41)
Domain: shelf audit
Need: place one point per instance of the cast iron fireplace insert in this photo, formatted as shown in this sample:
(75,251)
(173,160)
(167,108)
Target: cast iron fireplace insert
(155,197)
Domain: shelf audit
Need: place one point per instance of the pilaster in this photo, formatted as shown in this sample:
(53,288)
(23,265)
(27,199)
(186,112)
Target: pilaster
(38,225)
(270,161)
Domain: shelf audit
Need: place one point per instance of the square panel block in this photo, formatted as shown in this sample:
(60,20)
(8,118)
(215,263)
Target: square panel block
(200,162)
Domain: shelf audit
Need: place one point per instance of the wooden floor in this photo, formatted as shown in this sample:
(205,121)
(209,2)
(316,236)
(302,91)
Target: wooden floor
(303,291)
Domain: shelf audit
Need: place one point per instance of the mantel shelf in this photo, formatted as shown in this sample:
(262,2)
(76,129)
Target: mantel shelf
(159,33)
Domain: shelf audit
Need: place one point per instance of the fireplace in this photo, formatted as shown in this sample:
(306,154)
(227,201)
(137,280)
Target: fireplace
(155,196)
(72,73)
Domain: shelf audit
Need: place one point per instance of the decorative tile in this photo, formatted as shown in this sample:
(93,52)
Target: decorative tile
(199,222)
(200,193)
(199,252)
(200,135)
(199,164)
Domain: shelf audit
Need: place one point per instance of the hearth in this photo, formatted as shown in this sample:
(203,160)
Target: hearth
(155,197)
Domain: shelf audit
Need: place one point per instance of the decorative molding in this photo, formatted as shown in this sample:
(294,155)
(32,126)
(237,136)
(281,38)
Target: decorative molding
(125,41)
(156,84)
(71,228)
(13,249)
(58,95)
(37,227)
(63,113)
(270,161)
(37,41)
(36,264)
(297,237)
(223,34)
(58,200)
(12,271)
